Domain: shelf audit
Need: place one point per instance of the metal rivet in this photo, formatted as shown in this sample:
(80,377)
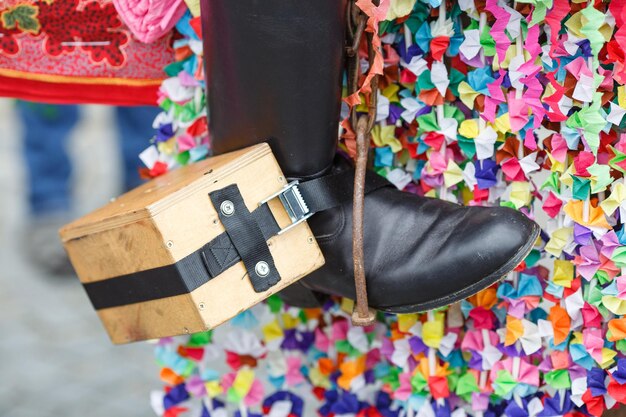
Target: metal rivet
(262,269)
(215,221)
(227,208)
(281,179)
(170,244)
(311,239)
(201,306)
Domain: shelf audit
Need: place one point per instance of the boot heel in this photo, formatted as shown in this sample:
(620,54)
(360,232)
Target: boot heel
(297,295)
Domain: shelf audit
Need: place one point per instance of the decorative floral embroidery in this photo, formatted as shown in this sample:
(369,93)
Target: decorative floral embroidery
(94,28)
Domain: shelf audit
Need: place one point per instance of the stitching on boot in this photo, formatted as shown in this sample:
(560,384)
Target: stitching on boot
(333,236)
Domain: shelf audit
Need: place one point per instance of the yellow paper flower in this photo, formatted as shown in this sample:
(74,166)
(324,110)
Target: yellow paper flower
(614,305)
(391,92)
(563,273)
(452,175)
(289,322)
(618,195)
(318,379)
(167,147)
(272,331)
(607,357)
(549,90)
(243,382)
(406,321)
(467,94)
(213,388)
(399,8)
(431,193)
(347,305)
(469,128)
(577,338)
(556,165)
(502,124)
(432,331)
(385,136)
(621,96)
(567,176)
(558,240)
(520,194)
(194,7)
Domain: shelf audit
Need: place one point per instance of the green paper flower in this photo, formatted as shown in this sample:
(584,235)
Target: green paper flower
(619,256)
(602,277)
(552,182)
(466,385)
(418,383)
(427,122)
(468,146)
(275,303)
(200,339)
(558,379)
(504,383)
(618,162)
(581,188)
(487,42)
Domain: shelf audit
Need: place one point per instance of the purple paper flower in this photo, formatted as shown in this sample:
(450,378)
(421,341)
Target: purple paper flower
(595,381)
(620,373)
(177,395)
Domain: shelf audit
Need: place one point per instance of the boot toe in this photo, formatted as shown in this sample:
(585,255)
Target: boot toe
(420,253)
(481,246)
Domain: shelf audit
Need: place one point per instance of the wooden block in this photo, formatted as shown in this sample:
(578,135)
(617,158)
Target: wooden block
(169,218)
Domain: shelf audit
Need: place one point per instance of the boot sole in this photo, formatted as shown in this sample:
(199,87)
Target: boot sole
(472,289)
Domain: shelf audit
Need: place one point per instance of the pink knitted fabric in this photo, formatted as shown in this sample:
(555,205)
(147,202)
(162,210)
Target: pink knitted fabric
(148,20)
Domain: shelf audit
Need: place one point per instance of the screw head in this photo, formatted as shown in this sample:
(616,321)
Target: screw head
(227,208)
(201,306)
(169,244)
(262,269)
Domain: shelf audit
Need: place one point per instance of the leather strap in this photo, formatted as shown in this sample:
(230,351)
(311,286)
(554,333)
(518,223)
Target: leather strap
(221,253)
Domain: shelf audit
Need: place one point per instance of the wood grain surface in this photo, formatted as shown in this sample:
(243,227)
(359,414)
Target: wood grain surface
(170,217)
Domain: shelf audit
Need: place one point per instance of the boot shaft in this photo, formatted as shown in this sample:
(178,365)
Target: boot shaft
(274,71)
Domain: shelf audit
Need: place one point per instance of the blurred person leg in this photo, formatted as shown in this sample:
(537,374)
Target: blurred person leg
(48,174)
(135,130)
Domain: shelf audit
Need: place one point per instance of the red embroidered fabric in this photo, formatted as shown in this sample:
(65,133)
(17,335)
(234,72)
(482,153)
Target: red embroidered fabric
(76,51)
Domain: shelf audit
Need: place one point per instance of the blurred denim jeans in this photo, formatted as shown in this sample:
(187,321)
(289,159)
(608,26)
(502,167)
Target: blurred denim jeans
(48,167)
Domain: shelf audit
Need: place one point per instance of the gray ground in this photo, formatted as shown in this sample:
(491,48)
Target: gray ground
(55,358)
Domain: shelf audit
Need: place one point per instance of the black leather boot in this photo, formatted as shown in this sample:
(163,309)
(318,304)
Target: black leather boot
(274,72)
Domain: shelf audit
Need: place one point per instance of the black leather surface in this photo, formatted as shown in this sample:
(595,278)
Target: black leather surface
(416,248)
(273,72)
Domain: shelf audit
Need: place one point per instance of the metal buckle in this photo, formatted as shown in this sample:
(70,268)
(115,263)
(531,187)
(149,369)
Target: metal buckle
(294,205)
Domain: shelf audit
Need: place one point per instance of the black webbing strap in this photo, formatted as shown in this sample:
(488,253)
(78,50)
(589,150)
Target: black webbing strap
(319,194)
(151,284)
(221,253)
(333,190)
(246,236)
